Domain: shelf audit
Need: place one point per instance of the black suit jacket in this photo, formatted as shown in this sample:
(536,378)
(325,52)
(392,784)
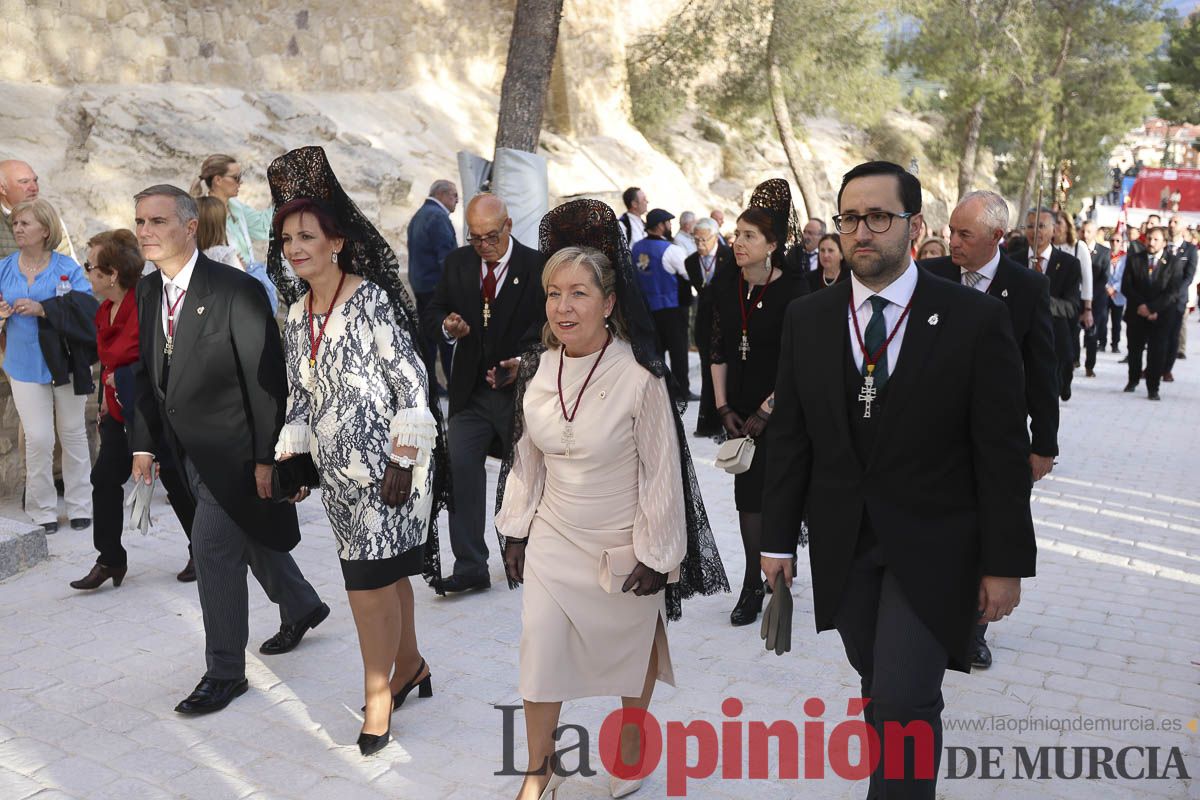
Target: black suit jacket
(224,400)
(1027,296)
(947,486)
(516,319)
(1066,276)
(704,301)
(1189,254)
(1101,273)
(1160,291)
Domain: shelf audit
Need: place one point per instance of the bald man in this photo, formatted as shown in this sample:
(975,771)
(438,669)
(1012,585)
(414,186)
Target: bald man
(491,306)
(18,183)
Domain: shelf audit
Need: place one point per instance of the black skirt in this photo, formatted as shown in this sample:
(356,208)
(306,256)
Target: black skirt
(366,575)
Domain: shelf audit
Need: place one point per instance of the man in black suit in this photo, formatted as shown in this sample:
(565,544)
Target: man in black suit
(1178,247)
(803,256)
(711,256)
(976,227)
(1151,287)
(212,372)
(904,447)
(491,305)
(1093,337)
(1066,276)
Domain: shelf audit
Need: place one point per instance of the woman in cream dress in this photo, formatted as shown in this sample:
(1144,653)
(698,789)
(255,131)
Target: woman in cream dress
(597,469)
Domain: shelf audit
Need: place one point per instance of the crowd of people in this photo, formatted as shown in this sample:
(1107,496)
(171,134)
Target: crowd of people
(568,359)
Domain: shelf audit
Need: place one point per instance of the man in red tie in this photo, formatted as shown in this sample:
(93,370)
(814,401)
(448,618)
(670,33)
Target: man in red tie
(491,307)
(1066,275)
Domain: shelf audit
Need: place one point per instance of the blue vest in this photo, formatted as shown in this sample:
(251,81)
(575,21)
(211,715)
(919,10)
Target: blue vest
(659,287)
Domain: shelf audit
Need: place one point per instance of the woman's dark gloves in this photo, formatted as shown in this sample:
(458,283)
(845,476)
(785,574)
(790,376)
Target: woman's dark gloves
(645,579)
(514,559)
(397,485)
(731,421)
(755,424)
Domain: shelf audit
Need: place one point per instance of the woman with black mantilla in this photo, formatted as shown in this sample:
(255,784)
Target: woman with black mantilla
(748,308)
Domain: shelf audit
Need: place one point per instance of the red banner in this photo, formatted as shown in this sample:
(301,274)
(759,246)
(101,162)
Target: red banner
(1154,187)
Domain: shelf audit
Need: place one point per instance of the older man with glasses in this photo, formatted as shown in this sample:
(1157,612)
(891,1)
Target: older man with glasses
(490,305)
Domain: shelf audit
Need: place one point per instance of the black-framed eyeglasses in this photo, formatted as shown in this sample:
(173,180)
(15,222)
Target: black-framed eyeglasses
(88,266)
(490,239)
(877,221)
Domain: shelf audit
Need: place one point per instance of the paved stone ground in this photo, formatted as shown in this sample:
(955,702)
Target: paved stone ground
(1107,630)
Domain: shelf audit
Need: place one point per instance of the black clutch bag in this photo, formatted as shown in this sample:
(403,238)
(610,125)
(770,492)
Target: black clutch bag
(290,476)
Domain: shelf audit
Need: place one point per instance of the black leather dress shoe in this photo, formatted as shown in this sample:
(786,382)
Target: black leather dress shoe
(1116,349)
(463,583)
(188,573)
(81,523)
(212,694)
(290,635)
(1131,387)
(982,655)
(748,607)
(1153,396)
(50,527)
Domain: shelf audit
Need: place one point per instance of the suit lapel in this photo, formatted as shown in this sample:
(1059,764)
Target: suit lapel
(919,336)
(999,286)
(508,299)
(834,360)
(191,319)
(150,325)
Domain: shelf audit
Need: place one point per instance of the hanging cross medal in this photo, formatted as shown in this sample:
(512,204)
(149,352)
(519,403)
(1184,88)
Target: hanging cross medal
(868,394)
(489,282)
(487,312)
(744,346)
(171,309)
(568,437)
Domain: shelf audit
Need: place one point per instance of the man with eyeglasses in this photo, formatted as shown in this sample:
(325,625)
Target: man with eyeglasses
(898,433)
(1066,279)
(491,307)
(711,256)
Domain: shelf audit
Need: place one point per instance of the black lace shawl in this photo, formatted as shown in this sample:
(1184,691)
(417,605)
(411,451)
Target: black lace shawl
(305,172)
(590,223)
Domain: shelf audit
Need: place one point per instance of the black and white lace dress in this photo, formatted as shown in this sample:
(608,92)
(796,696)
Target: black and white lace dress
(367,390)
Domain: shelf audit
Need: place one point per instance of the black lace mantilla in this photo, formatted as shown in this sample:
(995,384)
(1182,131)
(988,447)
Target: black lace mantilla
(775,196)
(305,172)
(590,223)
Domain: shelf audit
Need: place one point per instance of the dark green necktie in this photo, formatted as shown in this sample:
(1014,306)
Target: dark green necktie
(874,338)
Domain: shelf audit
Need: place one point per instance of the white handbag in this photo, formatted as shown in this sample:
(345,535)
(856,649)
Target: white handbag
(616,564)
(735,455)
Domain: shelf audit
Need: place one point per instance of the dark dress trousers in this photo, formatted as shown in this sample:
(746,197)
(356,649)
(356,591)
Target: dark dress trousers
(1066,304)
(221,403)
(1093,338)
(706,418)
(905,510)
(1026,294)
(480,419)
(1158,290)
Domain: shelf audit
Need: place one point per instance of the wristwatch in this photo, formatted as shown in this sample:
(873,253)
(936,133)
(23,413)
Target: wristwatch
(403,462)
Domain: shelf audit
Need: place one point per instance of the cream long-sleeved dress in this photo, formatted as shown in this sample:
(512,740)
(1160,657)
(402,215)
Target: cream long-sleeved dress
(620,485)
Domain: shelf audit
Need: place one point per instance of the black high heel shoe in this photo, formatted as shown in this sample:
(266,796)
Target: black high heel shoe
(749,606)
(369,744)
(425,686)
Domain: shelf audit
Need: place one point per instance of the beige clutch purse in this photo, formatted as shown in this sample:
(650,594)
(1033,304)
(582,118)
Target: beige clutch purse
(616,563)
(735,455)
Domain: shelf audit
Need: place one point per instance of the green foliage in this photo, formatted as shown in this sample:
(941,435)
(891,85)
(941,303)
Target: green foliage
(1182,70)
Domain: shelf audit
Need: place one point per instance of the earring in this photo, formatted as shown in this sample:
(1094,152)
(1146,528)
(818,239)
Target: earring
(333,256)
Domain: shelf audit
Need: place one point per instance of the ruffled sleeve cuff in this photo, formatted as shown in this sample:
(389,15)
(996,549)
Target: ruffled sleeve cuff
(415,427)
(294,438)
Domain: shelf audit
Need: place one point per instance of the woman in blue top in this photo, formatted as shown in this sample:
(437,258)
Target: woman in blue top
(28,277)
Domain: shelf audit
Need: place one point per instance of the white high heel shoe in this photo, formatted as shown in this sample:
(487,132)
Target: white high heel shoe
(550,792)
(621,788)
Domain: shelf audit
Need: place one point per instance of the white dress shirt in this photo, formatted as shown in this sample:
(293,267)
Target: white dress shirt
(898,293)
(1045,256)
(987,271)
(673,259)
(637,228)
(1081,252)
(173,287)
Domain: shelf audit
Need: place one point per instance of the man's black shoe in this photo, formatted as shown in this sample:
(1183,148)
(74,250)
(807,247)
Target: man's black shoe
(1153,396)
(1131,386)
(463,583)
(1065,394)
(1116,349)
(1181,356)
(81,523)
(212,695)
(982,657)
(290,635)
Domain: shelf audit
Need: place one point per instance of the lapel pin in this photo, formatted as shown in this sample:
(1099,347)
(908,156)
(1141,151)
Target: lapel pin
(759,304)
(516,280)
(603,394)
(200,310)
(933,320)
(1004,293)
